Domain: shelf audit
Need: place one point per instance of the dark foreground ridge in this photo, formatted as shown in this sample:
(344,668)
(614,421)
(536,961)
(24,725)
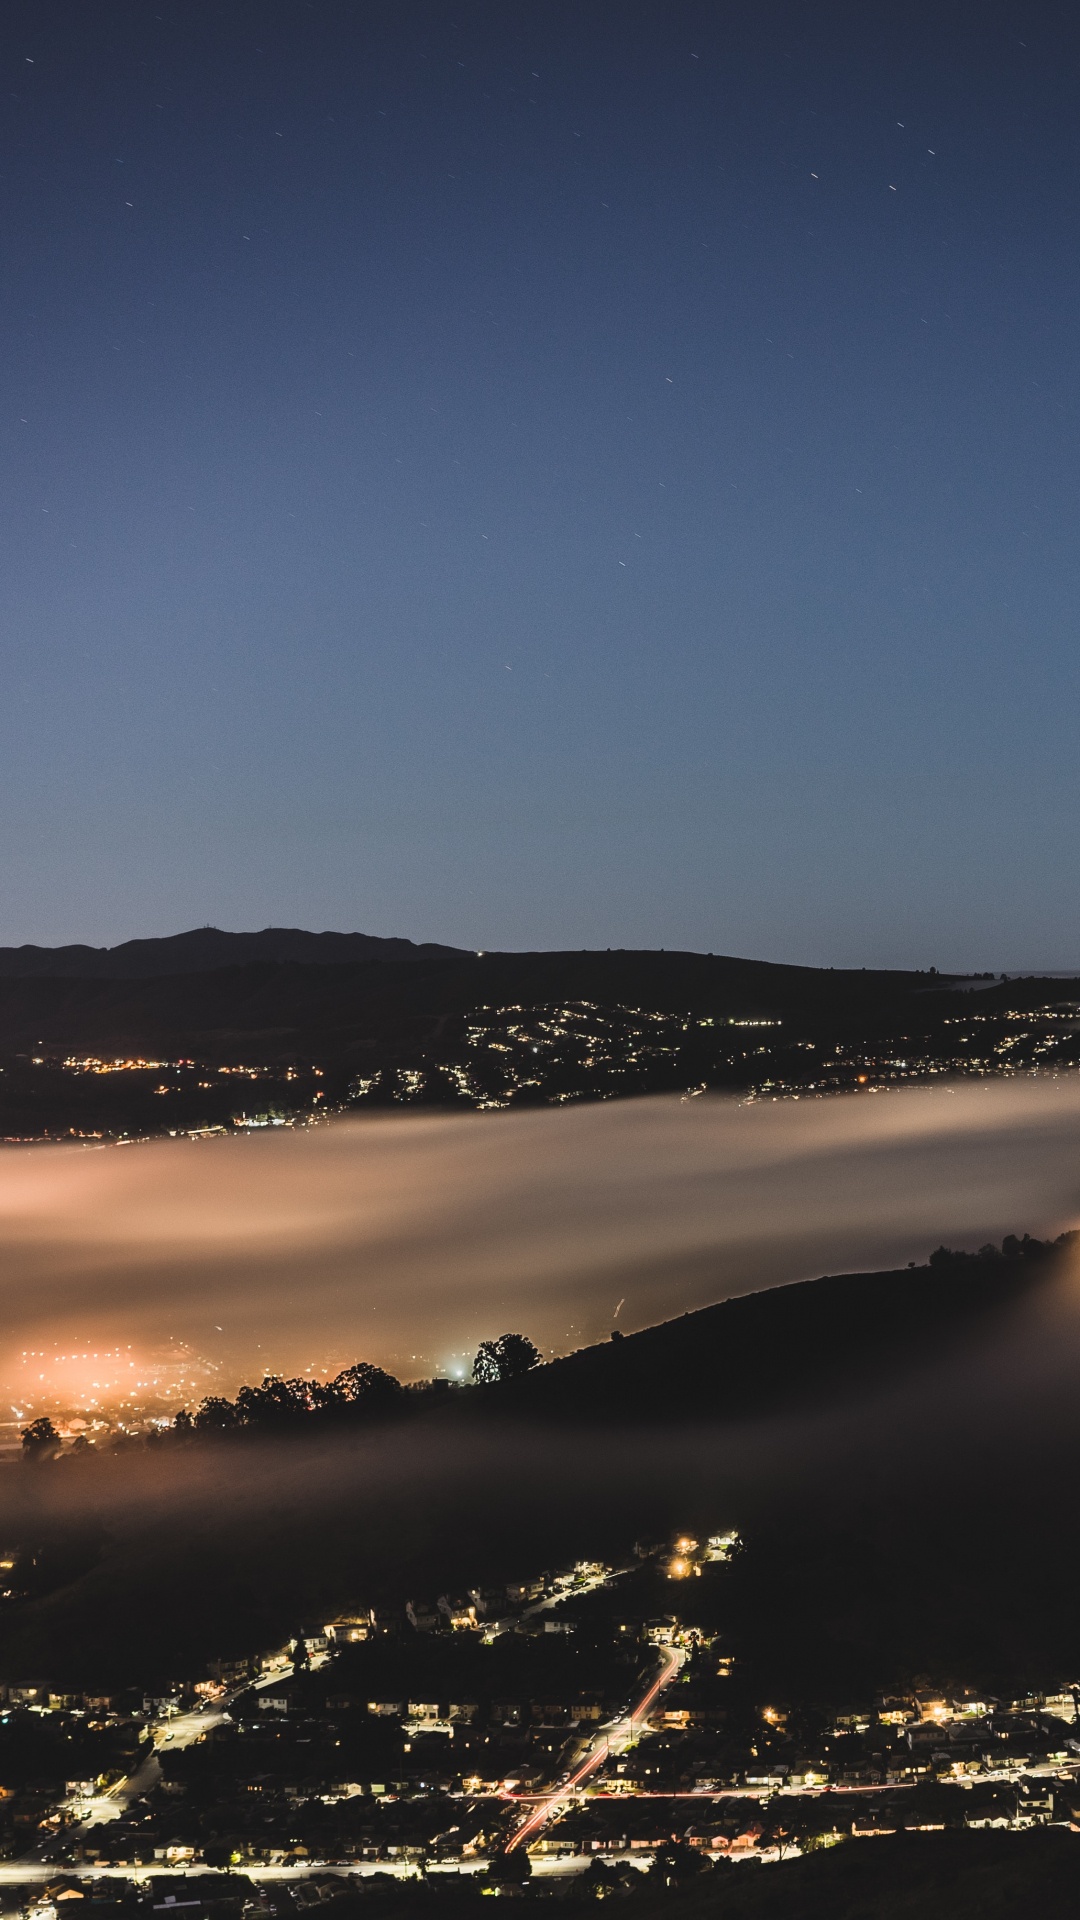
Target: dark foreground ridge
(934,1876)
(782,1350)
(785,1348)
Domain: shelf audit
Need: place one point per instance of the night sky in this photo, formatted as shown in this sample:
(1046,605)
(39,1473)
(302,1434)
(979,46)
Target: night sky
(543,474)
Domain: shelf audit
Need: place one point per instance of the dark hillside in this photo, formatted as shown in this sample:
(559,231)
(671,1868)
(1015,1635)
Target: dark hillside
(935,1876)
(785,1348)
(779,1351)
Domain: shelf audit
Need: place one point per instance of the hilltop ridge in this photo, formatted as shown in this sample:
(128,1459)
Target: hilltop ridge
(784,1348)
(203,950)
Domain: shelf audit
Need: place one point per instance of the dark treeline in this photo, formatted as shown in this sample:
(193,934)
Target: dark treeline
(359,1394)
(1011,1252)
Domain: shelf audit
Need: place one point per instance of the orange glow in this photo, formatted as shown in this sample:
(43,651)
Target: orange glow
(104,1379)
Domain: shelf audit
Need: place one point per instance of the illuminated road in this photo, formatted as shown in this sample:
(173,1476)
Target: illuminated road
(173,1732)
(182,1730)
(614,1738)
(30,1872)
(14,1873)
(493,1628)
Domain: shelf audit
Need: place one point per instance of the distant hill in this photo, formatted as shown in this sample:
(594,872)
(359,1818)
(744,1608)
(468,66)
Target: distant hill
(202,950)
(174,993)
(358,1022)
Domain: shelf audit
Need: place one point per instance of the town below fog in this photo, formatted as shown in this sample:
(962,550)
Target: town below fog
(590,1721)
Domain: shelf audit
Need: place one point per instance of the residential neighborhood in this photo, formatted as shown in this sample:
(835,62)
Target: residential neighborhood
(593,1712)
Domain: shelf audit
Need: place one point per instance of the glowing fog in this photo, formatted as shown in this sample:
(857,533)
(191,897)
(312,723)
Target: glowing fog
(406,1239)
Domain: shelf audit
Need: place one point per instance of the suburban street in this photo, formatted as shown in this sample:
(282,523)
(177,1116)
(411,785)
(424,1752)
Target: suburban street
(614,1738)
(174,1731)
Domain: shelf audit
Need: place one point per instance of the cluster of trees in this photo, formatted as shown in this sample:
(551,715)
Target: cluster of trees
(1011,1251)
(40,1439)
(504,1359)
(361,1392)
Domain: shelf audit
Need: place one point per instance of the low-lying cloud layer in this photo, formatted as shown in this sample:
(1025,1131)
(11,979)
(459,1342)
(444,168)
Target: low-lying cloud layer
(404,1240)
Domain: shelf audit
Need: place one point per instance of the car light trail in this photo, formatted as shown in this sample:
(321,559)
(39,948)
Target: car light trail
(672,1661)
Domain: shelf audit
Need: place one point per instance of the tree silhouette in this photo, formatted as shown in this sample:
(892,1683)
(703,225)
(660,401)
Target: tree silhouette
(677,1861)
(504,1359)
(216,1415)
(40,1440)
(510,1869)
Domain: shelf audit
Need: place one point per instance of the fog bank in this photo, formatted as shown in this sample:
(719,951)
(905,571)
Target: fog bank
(406,1239)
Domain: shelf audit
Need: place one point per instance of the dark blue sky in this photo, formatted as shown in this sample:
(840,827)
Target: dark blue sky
(543,474)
